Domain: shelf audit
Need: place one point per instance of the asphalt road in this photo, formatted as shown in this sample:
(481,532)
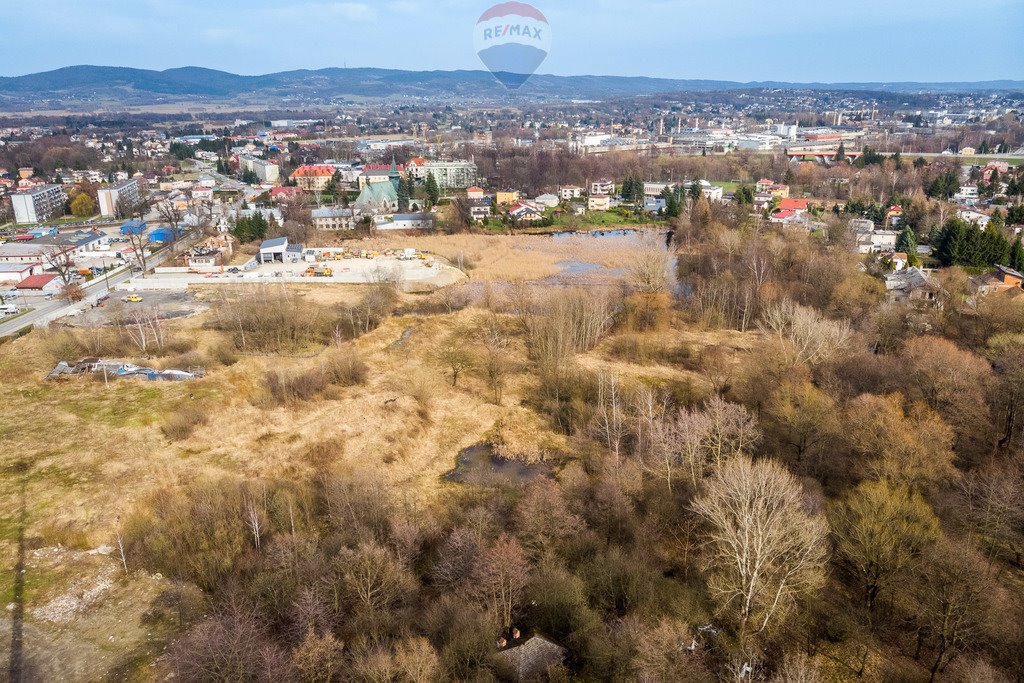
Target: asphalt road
(93,290)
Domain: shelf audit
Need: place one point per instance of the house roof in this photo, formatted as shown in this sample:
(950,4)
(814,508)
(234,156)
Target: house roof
(474,189)
(320,171)
(531,658)
(793,204)
(1009,271)
(17,267)
(36,281)
(274,243)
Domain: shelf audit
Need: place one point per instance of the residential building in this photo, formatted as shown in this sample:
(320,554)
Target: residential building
(968,195)
(333,218)
(506,197)
(120,197)
(598,202)
(971,216)
(285,193)
(480,209)
(602,186)
(313,178)
(549,201)
(380,173)
(475,193)
(448,174)
(794,205)
(266,171)
(523,211)
(912,285)
(528,660)
(570,192)
(1002,280)
(38,205)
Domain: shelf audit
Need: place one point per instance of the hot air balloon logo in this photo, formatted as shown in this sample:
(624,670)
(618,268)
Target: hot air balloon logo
(512,40)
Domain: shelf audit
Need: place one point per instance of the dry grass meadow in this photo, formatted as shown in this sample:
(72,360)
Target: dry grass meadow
(78,454)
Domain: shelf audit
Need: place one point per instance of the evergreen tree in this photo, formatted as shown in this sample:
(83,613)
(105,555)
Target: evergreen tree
(403,197)
(949,249)
(433,191)
(695,191)
(840,153)
(1016,260)
(745,195)
(671,206)
(907,242)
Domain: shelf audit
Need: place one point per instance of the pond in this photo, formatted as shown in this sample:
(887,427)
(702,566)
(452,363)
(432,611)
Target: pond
(479,466)
(620,233)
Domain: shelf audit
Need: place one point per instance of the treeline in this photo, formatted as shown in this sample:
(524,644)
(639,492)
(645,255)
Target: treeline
(960,243)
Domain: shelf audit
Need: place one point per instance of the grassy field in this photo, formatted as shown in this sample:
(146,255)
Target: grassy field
(80,454)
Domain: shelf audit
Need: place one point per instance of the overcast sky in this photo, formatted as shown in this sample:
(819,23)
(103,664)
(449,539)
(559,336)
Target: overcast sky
(741,40)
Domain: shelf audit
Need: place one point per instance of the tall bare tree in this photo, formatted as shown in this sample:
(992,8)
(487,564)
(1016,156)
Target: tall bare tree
(764,549)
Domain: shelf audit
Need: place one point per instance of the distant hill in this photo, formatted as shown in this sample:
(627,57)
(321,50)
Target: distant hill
(80,85)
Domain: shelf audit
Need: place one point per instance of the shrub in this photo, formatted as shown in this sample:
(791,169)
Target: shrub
(345,369)
(272,320)
(223,354)
(284,389)
(65,345)
(183,423)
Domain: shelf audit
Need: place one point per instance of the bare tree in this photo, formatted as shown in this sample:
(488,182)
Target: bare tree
(880,531)
(495,364)
(454,356)
(764,549)
(254,520)
(62,260)
(500,575)
(805,335)
(139,241)
(611,421)
(144,328)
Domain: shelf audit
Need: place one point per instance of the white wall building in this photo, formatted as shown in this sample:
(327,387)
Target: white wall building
(38,205)
(119,195)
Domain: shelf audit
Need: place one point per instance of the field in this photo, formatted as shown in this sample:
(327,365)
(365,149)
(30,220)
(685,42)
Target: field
(79,454)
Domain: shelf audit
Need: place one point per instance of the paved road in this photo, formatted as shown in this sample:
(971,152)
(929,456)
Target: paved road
(93,290)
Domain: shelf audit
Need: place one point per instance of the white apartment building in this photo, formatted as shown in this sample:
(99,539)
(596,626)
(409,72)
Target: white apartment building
(266,171)
(448,174)
(119,195)
(38,205)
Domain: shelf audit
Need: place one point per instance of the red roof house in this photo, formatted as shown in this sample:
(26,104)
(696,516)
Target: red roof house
(795,205)
(41,283)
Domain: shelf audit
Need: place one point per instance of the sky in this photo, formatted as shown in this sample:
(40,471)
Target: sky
(738,40)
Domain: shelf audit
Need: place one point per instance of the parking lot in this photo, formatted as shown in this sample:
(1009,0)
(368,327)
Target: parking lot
(169,305)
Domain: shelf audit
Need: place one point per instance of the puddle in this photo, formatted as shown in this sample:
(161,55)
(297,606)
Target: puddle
(479,466)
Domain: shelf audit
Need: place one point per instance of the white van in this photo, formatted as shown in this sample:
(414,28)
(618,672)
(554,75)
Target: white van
(9,309)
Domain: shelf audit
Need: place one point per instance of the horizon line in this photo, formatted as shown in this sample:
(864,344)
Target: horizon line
(542,75)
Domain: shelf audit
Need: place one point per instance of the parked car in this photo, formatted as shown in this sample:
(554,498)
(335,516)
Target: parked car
(132,299)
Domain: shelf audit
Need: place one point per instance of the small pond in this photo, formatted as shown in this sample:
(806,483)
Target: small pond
(479,466)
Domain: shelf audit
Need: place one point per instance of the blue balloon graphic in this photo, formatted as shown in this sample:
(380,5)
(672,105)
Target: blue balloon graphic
(512,39)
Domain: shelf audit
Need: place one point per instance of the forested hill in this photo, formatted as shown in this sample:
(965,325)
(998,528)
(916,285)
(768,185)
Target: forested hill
(141,86)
